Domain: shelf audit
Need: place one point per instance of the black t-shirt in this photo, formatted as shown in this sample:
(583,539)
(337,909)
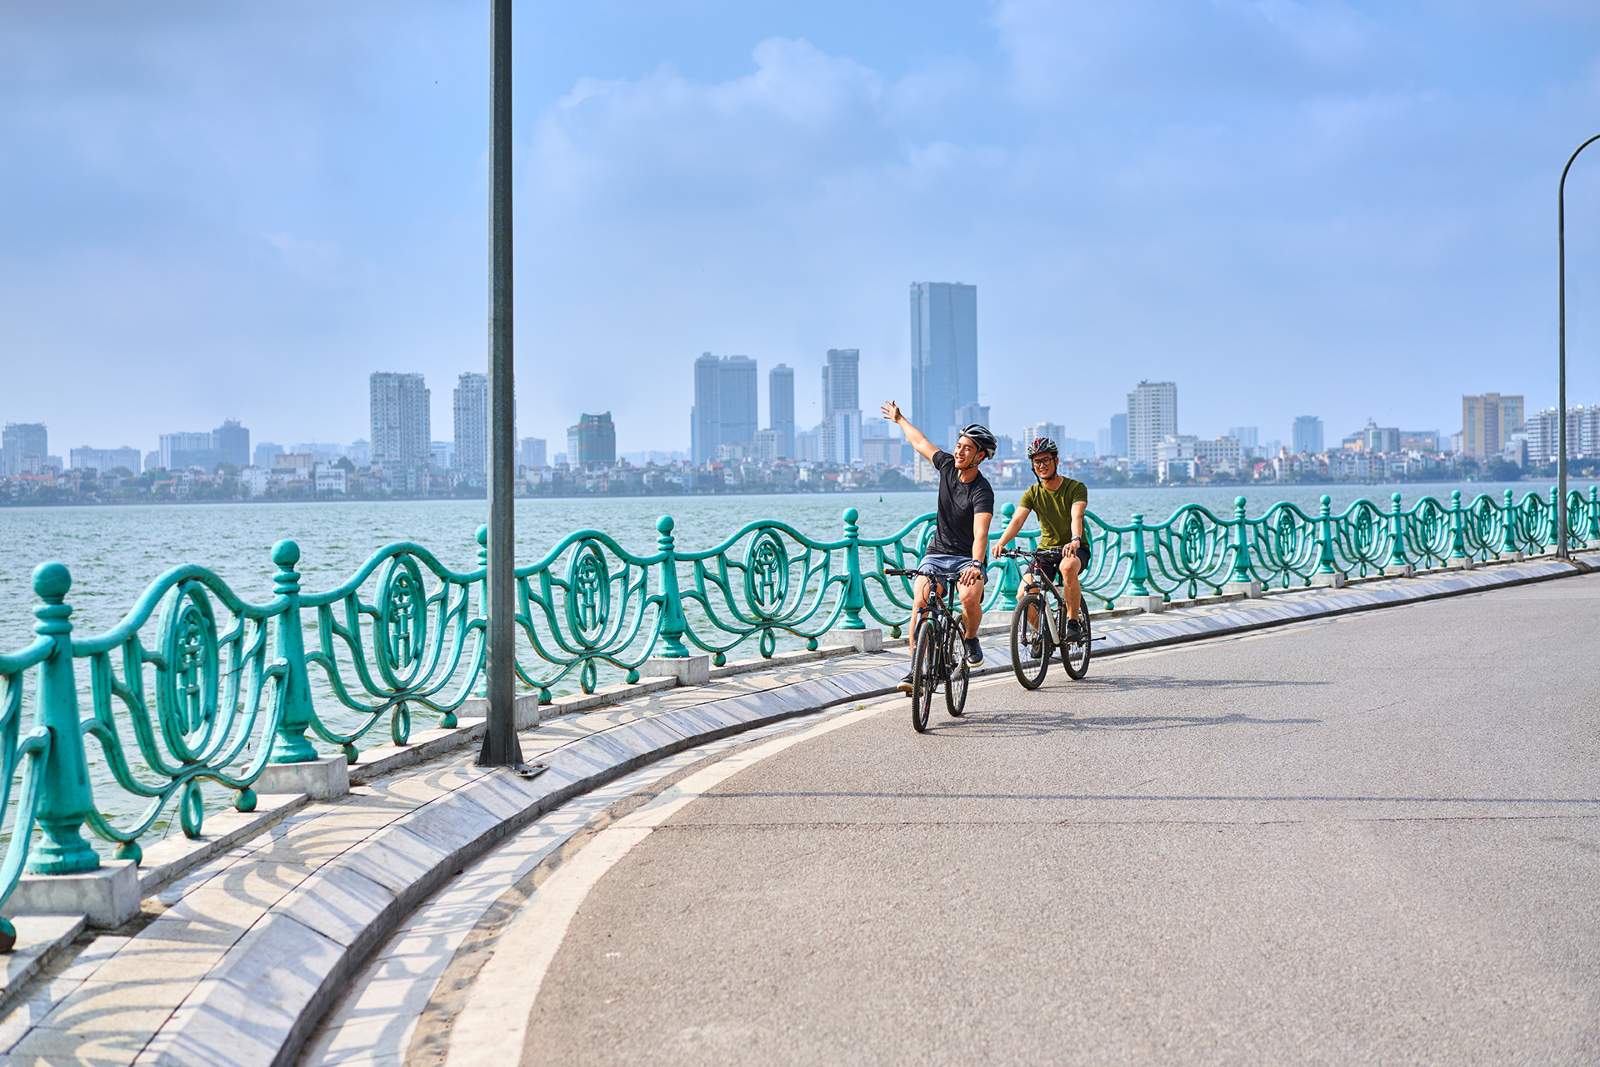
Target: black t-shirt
(958,502)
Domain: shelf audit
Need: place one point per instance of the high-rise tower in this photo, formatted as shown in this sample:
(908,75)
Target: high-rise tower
(780,404)
(400,421)
(470,405)
(944,355)
(841,406)
(1152,416)
(724,411)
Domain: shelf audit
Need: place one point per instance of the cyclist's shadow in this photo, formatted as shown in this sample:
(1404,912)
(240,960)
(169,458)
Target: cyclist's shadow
(1038,721)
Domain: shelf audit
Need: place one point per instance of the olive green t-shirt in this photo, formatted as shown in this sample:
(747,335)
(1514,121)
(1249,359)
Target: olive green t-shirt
(1054,509)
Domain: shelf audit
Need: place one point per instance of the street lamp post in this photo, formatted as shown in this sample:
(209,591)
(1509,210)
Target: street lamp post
(1561,367)
(500,745)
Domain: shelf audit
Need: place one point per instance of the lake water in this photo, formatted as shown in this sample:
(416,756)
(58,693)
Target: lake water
(114,552)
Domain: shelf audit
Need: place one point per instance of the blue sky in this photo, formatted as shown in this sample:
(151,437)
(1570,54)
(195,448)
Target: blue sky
(1345,209)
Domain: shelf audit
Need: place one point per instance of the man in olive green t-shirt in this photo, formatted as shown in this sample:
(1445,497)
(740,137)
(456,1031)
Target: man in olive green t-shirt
(1060,502)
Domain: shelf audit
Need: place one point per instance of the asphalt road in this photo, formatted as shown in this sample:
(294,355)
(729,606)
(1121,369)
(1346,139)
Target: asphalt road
(1370,839)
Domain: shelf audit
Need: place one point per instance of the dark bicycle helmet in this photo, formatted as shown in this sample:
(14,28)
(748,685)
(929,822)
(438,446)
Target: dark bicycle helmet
(980,436)
(1043,446)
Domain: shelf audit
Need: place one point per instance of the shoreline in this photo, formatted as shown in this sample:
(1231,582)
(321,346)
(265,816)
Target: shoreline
(1242,489)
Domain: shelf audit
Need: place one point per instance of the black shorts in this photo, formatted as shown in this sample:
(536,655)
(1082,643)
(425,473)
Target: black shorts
(1050,558)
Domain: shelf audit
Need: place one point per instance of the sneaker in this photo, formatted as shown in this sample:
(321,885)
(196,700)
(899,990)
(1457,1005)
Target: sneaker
(906,684)
(1074,630)
(974,652)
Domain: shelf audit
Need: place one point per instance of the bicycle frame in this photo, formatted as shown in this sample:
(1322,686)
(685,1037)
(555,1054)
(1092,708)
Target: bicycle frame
(1048,582)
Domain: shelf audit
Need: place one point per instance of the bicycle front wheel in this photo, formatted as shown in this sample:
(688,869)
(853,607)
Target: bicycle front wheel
(1030,642)
(924,675)
(1075,654)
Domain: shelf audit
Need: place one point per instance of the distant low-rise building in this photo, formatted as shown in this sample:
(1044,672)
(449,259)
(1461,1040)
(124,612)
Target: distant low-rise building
(102,460)
(330,479)
(1220,455)
(1176,459)
(183,450)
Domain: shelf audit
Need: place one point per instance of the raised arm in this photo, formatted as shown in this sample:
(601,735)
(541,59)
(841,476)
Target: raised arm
(915,437)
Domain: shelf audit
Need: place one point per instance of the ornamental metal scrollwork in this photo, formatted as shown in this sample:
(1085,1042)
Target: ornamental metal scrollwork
(1192,541)
(1536,521)
(1286,533)
(588,593)
(766,575)
(1428,523)
(1361,532)
(186,693)
(1485,518)
(402,615)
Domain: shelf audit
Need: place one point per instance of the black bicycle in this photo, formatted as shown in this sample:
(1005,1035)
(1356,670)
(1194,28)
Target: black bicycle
(1039,627)
(939,657)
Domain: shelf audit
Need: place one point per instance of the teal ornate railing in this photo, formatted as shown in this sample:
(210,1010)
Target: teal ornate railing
(197,688)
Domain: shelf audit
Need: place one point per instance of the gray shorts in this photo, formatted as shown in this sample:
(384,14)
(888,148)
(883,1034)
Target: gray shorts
(945,568)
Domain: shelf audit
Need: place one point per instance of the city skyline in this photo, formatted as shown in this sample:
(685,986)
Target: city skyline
(1352,206)
(398,406)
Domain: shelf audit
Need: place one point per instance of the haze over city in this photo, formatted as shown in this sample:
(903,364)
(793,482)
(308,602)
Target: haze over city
(1211,194)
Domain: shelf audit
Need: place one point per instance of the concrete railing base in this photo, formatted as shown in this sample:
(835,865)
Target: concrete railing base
(1328,581)
(320,779)
(107,897)
(688,670)
(1250,589)
(1460,564)
(1151,602)
(868,640)
(1400,570)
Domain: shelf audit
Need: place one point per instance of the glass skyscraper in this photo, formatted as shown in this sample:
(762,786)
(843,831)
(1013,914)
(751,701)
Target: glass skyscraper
(841,406)
(944,355)
(724,411)
(780,402)
(1307,434)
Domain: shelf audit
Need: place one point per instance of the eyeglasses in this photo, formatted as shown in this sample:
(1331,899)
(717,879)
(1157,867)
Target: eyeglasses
(1044,461)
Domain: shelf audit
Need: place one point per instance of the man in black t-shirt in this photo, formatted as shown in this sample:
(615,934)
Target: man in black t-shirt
(961,529)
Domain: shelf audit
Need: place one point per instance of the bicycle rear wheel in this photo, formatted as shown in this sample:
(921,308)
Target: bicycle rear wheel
(955,687)
(1030,641)
(1075,654)
(924,675)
